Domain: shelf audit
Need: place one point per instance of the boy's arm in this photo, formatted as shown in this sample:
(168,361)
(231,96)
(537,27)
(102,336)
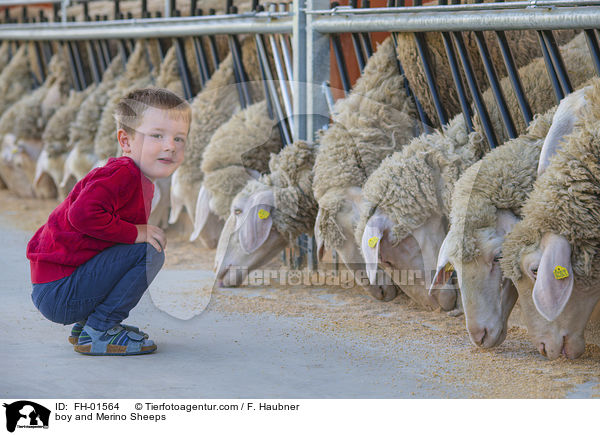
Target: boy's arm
(93,212)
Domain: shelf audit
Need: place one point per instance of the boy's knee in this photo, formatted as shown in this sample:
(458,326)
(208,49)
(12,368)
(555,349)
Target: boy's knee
(154,256)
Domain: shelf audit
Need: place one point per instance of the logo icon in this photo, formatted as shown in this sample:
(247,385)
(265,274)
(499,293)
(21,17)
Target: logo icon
(26,414)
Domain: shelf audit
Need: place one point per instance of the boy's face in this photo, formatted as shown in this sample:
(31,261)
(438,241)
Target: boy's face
(158,143)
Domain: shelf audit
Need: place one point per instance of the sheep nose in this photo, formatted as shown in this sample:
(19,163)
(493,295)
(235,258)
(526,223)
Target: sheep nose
(478,335)
(542,349)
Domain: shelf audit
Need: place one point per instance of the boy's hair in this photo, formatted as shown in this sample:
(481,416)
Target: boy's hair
(131,107)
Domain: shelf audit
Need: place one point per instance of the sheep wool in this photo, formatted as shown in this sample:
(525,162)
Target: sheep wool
(5,50)
(83,130)
(501,180)
(413,184)
(169,77)
(244,142)
(136,75)
(16,79)
(56,135)
(565,199)
(290,178)
(36,108)
(376,119)
(537,87)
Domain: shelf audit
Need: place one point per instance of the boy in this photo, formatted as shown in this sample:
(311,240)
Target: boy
(96,256)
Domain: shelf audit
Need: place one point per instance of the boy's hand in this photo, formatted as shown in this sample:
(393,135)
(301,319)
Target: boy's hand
(153,235)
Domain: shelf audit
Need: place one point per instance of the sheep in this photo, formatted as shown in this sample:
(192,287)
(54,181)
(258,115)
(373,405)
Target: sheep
(16,78)
(5,50)
(552,254)
(55,142)
(374,120)
(405,205)
(487,201)
(267,214)
(31,114)
(422,220)
(212,107)
(524,46)
(238,151)
(82,131)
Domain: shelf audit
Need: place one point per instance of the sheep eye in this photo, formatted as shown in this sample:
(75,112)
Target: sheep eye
(237,212)
(497,258)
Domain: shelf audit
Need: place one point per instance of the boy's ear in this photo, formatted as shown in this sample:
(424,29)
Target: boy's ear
(123,139)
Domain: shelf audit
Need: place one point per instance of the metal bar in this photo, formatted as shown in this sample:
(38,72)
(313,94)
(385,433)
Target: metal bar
(340,62)
(421,48)
(265,87)
(212,43)
(272,92)
(78,64)
(592,41)
(513,75)
(66,46)
(357,43)
(495,85)
(283,84)
(479,105)
(523,19)
(200,56)
(96,73)
(147,28)
(299,56)
(328,96)
(365,38)
(532,4)
(234,47)
(557,61)
(40,62)
(183,69)
(285,49)
(550,68)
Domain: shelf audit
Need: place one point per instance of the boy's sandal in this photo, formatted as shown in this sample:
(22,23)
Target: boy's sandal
(116,341)
(78,327)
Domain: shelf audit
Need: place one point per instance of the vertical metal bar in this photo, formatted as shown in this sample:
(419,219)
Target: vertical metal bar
(96,74)
(299,58)
(200,54)
(183,68)
(356,40)
(421,48)
(515,80)
(212,43)
(592,41)
(340,62)
(66,46)
(479,105)
(495,85)
(550,68)
(283,84)
(557,61)
(285,49)
(365,39)
(78,65)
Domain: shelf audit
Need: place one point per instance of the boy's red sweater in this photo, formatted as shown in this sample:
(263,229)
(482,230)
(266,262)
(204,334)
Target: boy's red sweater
(101,211)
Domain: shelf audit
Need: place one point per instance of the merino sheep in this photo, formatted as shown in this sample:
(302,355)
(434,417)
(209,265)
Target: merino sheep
(552,254)
(487,201)
(405,205)
(268,214)
(31,114)
(55,140)
(16,78)
(534,80)
(238,151)
(373,121)
(83,130)
(212,107)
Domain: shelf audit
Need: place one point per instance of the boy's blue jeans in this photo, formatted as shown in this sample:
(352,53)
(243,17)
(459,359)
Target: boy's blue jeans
(103,290)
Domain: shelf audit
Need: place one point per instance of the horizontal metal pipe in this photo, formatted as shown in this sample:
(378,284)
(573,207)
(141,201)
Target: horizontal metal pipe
(348,10)
(145,28)
(524,19)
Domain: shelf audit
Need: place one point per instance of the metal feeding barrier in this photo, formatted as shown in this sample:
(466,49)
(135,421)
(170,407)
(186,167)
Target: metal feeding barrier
(296,71)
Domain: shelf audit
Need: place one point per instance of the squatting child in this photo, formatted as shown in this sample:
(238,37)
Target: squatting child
(96,256)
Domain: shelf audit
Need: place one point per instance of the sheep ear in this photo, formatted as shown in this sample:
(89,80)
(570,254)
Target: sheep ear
(202,212)
(443,268)
(319,237)
(554,282)
(370,243)
(505,221)
(258,221)
(155,198)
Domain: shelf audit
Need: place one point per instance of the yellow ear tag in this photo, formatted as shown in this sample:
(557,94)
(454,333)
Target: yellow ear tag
(449,267)
(14,150)
(263,214)
(373,241)
(560,272)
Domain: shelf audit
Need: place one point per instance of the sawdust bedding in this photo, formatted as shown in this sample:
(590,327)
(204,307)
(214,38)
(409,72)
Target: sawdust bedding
(512,370)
